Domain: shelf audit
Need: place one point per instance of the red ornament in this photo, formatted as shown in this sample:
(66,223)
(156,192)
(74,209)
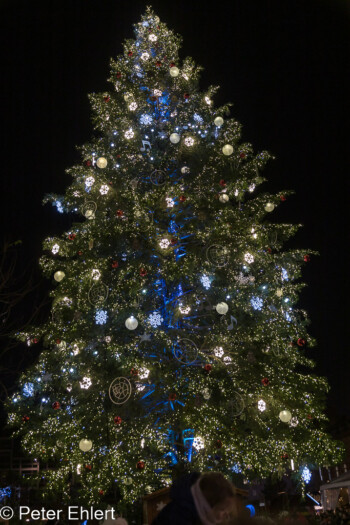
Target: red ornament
(172,396)
(134,372)
(115,264)
(186,96)
(301,342)
(130,53)
(222,183)
(158,63)
(269,250)
(218,443)
(80,252)
(119,74)
(117,420)
(101,492)
(309,416)
(307,258)
(283,198)
(140,465)
(119,156)
(172,64)
(265,381)
(120,213)
(25,419)
(242,155)
(88,163)
(207,367)
(88,467)
(182,198)
(56,405)
(173,240)
(143,272)
(153,98)
(35,340)
(107,98)
(71,236)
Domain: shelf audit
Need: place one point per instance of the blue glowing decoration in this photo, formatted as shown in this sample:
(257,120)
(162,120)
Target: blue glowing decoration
(172,458)
(197,118)
(5,493)
(28,389)
(236,468)
(58,205)
(285,275)
(204,279)
(306,474)
(257,303)
(188,437)
(251,510)
(288,316)
(101,316)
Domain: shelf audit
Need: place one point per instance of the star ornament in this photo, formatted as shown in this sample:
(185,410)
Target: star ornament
(145,337)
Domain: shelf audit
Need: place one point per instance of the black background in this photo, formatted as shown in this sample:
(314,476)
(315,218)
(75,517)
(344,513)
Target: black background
(284,65)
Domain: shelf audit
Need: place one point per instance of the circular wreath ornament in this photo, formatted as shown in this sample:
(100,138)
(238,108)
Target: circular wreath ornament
(89,209)
(236,405)
(120,390)
(218,255)
(98,293)
(158,177)
(185,351)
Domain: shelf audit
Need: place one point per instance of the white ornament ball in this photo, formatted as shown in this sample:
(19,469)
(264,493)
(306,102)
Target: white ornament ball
(269,206)
(85,445)
(59,275)
(222,308)
(131,323)
(174,138)
(218,121)
(174,71)
(224,197)
(227,149)
(101,162)
(128,481)
(285,416)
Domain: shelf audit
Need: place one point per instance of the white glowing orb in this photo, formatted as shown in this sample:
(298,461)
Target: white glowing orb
(131,323)
(174,71)
(261,405)
(227,149)
(101,162)
(222,308)
(218,122)
(285,416)
(269,206)
(59,275)
(85,445)
(174,138)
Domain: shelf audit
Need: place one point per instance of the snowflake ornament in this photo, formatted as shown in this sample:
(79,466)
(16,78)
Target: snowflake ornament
(248,257)
(89,181)
(257,303)
(101,317)
(146,120)
(155,319)
(218,351)
(104,189)
(55,248)
(198,443)
(129,134)
(204,279)
(85,383)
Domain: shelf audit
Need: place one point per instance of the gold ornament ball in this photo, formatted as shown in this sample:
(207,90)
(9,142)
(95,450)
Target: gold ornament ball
(101,162)
(218,122)
(174,138)
(131,323)
(85,445)
(222,308)
(285,416)
(224,197)
(59,275)
(227,149)
(279,292)
(174,71)
(269,206)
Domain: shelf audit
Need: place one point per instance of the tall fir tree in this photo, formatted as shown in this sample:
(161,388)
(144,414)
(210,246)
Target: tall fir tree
(175,341)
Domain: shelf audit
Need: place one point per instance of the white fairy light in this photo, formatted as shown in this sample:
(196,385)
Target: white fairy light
(89,182)
(101,316)
(164,243)
(218,351)
(248,257)
(207,100)
(261,405)
(55,248)
(85,383)
(251,188)
(189,141)
(198,443)
(170,203)
(75,349)
(155,319)
(95,274)
(129,134)
(104,189)
(133,106)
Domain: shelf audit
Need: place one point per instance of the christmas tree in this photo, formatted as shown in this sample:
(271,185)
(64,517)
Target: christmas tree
(175,342)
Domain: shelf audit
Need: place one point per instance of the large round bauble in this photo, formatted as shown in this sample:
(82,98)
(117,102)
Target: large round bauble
(224,197)
(174,71)
(222,308)
(174,138)
(269,206)
(85,445)
(218,121)
(59,275)
(131,323)
(101,162)
(285,416)
(227,149)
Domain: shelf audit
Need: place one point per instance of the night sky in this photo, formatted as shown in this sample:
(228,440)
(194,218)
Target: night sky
(284,65)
